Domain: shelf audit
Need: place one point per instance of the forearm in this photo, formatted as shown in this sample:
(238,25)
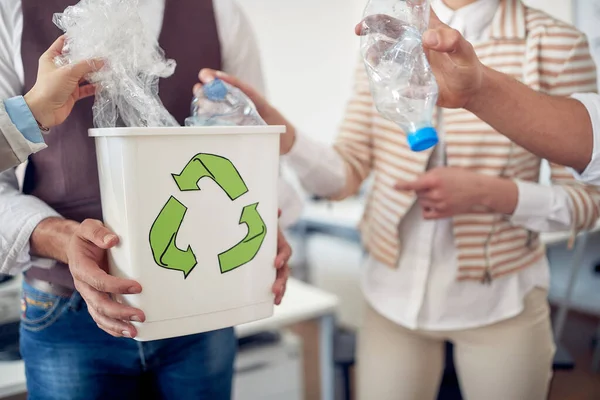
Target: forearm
(555,128)
(51,237)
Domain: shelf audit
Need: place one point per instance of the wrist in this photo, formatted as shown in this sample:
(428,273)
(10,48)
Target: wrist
(498,194)
(476,101)
(50,238)
(288,140)
(36,106)
(273,117)
(483,197)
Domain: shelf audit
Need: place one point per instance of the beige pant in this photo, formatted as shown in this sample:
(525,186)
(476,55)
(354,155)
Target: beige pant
(509,360)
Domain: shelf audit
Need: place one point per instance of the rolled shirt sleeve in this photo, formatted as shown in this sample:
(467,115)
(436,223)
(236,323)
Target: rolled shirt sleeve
(20,133)
(591,174)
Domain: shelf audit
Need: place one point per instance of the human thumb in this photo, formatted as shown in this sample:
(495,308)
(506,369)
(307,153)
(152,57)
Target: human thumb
(405,185)
(424,182)
(444,39)
(83,68)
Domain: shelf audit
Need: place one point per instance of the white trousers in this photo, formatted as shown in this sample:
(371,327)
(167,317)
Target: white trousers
(509,360)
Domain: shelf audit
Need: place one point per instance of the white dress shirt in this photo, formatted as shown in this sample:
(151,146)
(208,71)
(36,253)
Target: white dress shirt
(591,101)
(423,293)
(20,214)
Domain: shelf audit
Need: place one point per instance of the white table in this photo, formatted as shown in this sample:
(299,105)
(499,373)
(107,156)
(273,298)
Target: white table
(12,378)
(302,302)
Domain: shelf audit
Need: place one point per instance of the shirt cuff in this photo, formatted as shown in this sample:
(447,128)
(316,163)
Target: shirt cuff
(591,174)
(21,257)
(20,114)
(535,202)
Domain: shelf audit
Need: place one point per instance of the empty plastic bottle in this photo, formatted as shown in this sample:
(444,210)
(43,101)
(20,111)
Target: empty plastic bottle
(220,104)
(402,84)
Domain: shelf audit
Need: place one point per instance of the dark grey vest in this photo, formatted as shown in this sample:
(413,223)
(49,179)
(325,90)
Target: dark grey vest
(65,175)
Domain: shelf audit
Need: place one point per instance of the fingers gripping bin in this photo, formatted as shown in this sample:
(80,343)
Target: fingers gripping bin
(196,213)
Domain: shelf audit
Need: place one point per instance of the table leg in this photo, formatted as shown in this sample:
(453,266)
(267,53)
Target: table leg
(326,337)
(596,359)
(565,302)
(301,234)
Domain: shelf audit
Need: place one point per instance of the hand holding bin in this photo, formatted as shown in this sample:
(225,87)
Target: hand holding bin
(196,211)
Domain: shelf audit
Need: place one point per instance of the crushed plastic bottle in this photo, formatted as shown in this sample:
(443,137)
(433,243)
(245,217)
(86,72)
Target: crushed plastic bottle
(220,104)
(402,84)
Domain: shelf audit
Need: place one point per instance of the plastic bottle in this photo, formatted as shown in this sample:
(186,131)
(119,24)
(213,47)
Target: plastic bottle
(219,104)
(402,83)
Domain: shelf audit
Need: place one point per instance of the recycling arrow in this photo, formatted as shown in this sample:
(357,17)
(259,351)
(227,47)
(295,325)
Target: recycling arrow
(163,232)
(246,250)
(218,168)
(162,239)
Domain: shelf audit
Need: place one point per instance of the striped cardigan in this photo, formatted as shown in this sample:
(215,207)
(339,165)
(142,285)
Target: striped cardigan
(534,48)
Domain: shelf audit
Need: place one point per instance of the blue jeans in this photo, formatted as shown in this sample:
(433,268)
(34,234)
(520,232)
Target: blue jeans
(67,357)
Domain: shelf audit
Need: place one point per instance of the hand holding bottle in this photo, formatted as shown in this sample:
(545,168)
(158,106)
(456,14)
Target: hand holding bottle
(456,67)
(268,113)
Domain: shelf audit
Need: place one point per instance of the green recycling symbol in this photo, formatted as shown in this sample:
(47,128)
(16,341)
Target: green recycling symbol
(166,226)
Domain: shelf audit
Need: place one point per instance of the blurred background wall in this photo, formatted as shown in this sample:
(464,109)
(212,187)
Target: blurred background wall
(309,54)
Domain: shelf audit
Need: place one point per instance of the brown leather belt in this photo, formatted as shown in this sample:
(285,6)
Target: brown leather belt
(47,287)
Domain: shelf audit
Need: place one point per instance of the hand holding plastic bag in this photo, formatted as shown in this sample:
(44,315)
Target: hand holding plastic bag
(127,85)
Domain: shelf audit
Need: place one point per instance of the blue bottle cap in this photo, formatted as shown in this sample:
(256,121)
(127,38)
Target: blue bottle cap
(423,139)
(215,90)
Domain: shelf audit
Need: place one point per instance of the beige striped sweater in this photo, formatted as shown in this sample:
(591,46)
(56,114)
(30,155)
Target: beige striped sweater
(525,43)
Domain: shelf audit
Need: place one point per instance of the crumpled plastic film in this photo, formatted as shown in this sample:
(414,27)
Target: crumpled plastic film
(127,85)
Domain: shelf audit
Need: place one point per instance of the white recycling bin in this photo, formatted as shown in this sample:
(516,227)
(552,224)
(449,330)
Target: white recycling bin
(195,210)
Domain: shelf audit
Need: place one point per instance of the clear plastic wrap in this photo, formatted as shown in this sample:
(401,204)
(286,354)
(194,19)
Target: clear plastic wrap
(127,84)
(403,86)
